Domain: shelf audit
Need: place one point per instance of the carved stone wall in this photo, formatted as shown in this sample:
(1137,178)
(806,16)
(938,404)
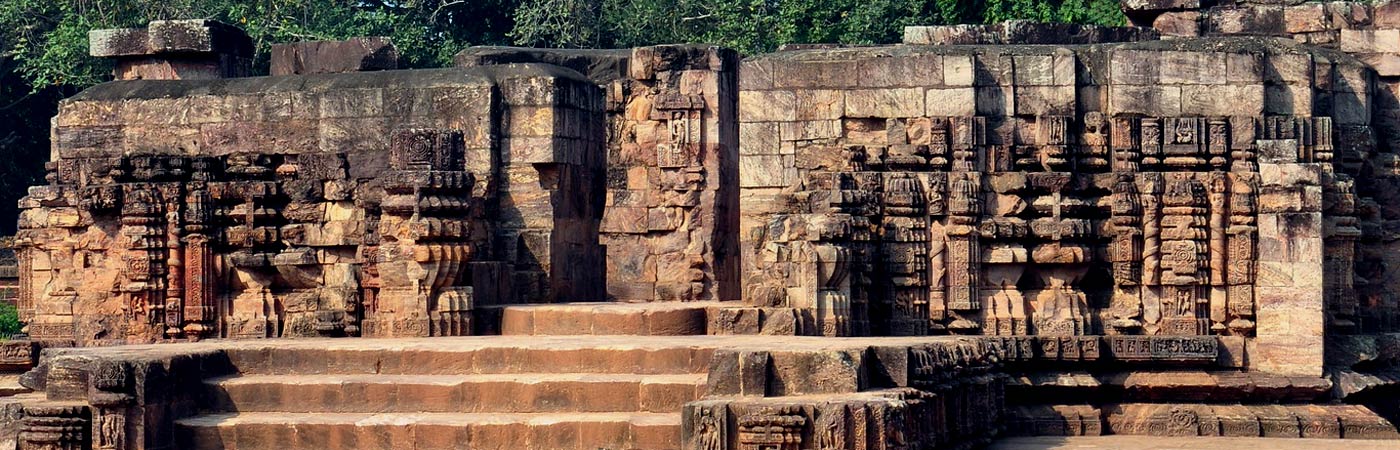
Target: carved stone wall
(1357,224)
(671,212)
(376,204)
(1156,188)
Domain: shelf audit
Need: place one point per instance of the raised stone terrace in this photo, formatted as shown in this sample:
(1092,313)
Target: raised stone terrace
(1056,235)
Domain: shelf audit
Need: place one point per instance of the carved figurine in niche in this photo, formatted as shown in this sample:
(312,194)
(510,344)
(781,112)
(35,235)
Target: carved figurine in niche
(1218,142)
(1150,131)
(1053,142)
(831,428)
(1093,154)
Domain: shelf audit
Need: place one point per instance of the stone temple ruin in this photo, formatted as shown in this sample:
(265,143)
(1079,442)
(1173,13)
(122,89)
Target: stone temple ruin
(1184,228)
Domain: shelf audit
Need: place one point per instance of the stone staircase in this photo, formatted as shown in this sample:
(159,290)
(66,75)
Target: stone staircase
(489,392)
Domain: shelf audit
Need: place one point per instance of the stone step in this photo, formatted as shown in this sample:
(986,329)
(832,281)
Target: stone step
(639,319)
(429,431)
(478,355)
(507,393)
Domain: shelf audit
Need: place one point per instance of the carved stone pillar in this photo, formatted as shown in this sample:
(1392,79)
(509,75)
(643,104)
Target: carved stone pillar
(1340,234)
(141,284)
(425,232)
(1240,274)
(1125,254)
(904,247)
(110,394)
(1184,276)
(964,251)
(199,276)
(1218,195)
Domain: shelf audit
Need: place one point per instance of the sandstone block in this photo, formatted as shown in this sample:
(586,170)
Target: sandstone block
(1226,100)
(951,102)
(1385,14)
(1178,24)
(816,74)
(958,70)
(1161,101)
(352,55)
(1370,41)
(758,138)
(755,75)
(767,106)
(1306,18)
(820,104)
(1256,20)
(1045,100)
(766,170)
(901,102)
(1286,355)
(905,71)
(996,101)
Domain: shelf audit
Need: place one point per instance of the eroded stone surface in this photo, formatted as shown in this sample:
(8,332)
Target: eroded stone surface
(1104,235)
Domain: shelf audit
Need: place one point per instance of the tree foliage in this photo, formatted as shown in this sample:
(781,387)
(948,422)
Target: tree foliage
(43,43)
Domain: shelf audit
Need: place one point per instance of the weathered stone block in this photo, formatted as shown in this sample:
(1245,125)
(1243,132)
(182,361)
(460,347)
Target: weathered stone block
(904,71)
(1306,18)
(1161,101)
(951,102)
(352,55)
(767,106)
(902,102)
(1178,24)
(1370,41)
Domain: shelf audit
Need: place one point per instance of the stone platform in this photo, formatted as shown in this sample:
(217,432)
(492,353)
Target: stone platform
(1196,443)
(626,392)
(607,318)
(557,392)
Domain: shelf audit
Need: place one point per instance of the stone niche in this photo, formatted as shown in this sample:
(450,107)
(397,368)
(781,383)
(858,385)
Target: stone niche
(671,215)
(1166,189)
(362,204)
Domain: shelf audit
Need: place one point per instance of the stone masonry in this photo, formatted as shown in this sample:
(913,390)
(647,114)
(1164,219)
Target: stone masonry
(671,213)
(358,204)
(1115,189)
(1179,229)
